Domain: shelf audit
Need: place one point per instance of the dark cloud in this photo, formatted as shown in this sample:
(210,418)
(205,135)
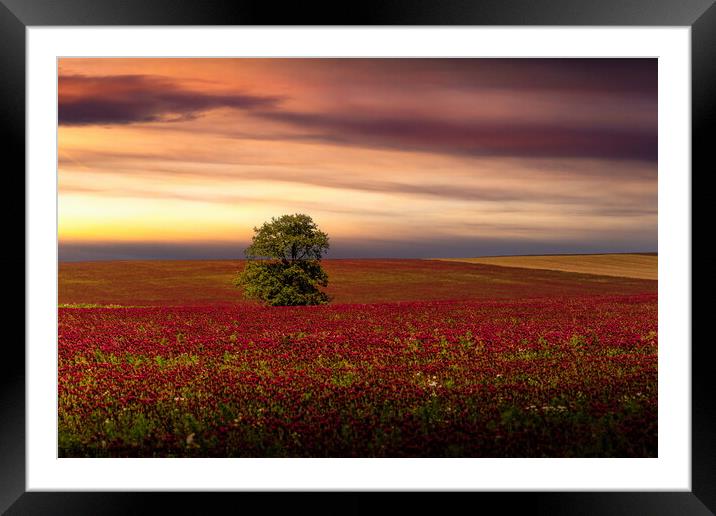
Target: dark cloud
(630,84)
(588,76)
(477,138)
(626,89)
(126,99)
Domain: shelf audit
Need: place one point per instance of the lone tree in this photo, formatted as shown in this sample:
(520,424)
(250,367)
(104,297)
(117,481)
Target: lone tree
(283,265)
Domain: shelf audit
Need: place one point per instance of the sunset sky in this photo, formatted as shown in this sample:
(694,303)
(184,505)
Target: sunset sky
(181,158)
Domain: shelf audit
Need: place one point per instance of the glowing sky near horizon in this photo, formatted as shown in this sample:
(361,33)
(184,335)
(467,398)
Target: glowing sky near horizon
(175,158)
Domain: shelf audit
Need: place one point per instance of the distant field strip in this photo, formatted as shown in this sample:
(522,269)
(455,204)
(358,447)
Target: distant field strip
(172,283)
(642,266)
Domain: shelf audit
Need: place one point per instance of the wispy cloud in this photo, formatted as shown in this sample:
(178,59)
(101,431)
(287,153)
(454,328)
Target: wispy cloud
(631,186)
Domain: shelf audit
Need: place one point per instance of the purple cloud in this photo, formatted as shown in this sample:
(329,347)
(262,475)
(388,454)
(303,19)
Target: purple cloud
(127,99)
(477,138)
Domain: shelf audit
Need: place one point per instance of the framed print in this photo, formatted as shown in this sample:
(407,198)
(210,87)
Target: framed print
(442,249)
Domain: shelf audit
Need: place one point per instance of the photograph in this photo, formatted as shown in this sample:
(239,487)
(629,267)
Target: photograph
(357,257)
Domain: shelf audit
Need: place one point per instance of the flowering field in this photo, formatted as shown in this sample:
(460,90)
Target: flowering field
(442,359)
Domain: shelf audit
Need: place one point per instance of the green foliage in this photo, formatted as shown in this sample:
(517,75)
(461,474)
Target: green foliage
(284,263)
(279,284)
(288,238)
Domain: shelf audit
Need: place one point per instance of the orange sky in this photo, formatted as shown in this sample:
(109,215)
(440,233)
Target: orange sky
(173,158)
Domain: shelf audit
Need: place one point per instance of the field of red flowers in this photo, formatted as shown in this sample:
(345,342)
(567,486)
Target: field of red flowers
(447,359)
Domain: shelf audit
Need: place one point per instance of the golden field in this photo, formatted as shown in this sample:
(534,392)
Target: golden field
(642,266)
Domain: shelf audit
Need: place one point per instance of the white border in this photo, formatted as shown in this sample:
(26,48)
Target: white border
(671,470)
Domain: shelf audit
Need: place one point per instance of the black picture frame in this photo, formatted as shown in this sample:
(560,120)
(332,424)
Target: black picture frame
(17,15)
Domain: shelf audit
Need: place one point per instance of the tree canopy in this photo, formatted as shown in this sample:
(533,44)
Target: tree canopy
(288,238)
(283,265)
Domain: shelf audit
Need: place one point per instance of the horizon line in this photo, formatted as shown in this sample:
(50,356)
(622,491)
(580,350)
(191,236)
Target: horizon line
(645,253)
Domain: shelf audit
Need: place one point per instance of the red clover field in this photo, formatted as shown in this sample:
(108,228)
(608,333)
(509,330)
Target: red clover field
(412,358)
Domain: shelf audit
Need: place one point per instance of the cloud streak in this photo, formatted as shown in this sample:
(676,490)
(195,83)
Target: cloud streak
(127,99)
(476,138)
(480,188)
